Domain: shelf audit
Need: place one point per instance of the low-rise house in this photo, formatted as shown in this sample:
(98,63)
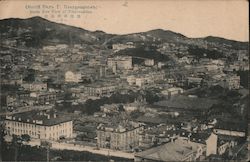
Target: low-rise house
(172,91)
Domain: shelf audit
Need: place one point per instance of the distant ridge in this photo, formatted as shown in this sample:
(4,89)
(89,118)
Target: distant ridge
(45,31)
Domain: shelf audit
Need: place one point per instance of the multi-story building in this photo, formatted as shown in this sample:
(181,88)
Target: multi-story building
(44,97)
(72,77)
(99,90)
(40,125)
(36,86)
(121,62)
(143,79)
(218,144)
(118,137)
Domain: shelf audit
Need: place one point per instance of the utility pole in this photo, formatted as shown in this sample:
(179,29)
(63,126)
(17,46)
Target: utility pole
(47,145)
(48,150)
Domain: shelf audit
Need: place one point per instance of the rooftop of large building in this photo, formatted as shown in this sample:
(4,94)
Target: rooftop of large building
(46,117)
(118,127)
(185,102)
(172,151)
(239,126)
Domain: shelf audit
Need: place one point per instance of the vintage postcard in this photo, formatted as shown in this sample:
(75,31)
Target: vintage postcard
(124,80)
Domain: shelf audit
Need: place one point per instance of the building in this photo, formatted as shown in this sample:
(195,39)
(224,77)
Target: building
(233,82)
(218,144)
(237,129)
(121,62)
(21,98)
(99,90)
(40,125)
(43,98)
(118,137)
(143,79)
(194,80)
(59,59)
(172,91)
(176,150)
(182,103)
(117,47)
(149,62)
(36,86)
(97,61)
(73,77)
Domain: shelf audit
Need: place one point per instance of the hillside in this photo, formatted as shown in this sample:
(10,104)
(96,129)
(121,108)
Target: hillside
(37,32)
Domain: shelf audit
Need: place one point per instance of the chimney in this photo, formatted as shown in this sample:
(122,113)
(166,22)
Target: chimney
(54,115)
(48,116)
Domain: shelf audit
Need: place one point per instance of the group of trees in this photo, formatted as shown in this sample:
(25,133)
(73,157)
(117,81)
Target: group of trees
(204,53)
(92,106)
(244,78)
(14,146)
(144,52)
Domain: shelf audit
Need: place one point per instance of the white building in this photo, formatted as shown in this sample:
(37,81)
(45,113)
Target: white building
(149,62)
(72,77)
(172,91)
(40,125)
(36,86)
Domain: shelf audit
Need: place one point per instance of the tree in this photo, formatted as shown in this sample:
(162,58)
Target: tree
(17,142)
(25,137)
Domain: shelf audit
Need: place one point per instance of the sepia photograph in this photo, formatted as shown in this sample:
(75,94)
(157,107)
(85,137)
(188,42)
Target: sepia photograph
(124,80)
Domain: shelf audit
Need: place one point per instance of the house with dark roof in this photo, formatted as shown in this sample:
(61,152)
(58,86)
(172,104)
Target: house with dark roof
(230,128)
(176,150)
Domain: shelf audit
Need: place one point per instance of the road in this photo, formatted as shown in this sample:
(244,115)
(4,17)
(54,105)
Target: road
(75,147)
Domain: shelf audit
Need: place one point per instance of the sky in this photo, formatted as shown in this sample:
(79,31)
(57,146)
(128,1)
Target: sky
(193,18)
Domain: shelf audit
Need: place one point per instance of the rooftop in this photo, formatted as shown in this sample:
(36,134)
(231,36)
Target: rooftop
(172,151)
(46,117)
(232,126)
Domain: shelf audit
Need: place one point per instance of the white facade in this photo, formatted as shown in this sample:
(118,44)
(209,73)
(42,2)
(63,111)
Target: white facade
(233,82)
(211,143)
(149,62)
(72,77)
(35,86)
(172,91)
(38,129)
